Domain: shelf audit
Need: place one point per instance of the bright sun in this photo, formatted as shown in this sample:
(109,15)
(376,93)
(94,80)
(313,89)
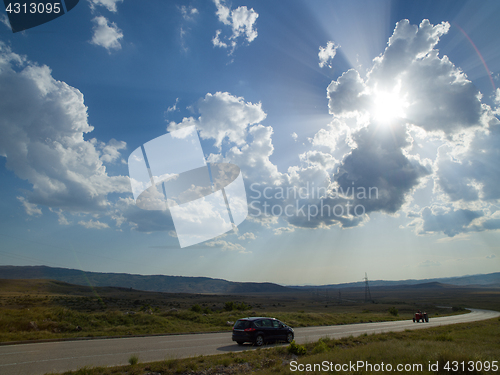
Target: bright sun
(388,106)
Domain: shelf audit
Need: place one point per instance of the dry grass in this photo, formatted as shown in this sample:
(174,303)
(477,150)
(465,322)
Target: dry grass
(58,309)
(44,309)
(58,322)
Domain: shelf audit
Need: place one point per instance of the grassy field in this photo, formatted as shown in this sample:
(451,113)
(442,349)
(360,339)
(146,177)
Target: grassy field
(44,309)
(477,342)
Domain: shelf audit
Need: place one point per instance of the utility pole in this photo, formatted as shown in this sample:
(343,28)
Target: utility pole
(368,296)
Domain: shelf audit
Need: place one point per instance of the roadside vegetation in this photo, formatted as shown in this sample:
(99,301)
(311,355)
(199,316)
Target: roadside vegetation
(52,322)
(44,309)
(460,342)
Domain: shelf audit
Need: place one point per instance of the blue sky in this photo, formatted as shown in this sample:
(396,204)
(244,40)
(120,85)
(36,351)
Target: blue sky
(396,96)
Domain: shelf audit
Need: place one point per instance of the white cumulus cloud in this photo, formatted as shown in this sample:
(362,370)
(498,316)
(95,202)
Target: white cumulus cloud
(106,34)
(381,122)
(42,126)
(108,4)
(369,155)
(110,152)
(326,54)
(30,208)
(247,236)
(241,21)
(222,116)
(227,246)
(93,224)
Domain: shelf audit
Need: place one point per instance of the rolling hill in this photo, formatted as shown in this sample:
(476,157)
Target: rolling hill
(207,285)
(491,280)
(153,283)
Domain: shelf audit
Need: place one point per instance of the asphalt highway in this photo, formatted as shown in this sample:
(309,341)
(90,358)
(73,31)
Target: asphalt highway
(41,358)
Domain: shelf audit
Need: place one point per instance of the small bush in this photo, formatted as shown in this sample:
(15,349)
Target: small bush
(171,363)
(225,362)
(230,306)
(296,349)
(196,308)
(243,306)
(393,311)
(320,347)
(133,360)
(444,337)
(88,371)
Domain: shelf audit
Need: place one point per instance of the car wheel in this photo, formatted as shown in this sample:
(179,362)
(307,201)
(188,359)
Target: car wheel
(413,320)
(289,337)
(259,340)
(239,342)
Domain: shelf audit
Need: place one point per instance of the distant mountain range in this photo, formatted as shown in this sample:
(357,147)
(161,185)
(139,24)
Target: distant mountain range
(152,283)
(207,285)
(483,280)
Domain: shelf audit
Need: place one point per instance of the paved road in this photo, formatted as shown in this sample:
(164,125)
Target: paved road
(40,358)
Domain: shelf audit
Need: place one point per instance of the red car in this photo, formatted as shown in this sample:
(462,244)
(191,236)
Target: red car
(419,315)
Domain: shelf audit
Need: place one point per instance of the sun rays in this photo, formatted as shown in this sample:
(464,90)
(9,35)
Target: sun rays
(388,106)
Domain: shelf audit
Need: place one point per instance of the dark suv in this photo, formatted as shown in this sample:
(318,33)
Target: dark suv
(260,330)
